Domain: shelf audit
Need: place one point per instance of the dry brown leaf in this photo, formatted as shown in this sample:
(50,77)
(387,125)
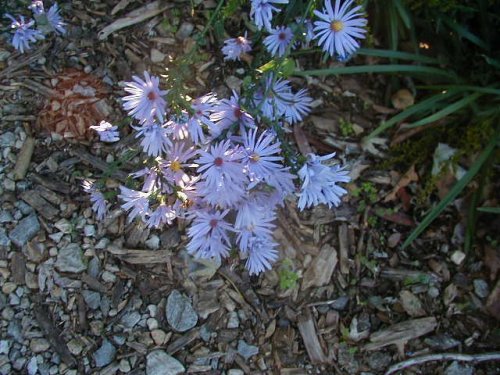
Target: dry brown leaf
(402,99)
(411,304)
(409,177)
(321,269)
(492,260)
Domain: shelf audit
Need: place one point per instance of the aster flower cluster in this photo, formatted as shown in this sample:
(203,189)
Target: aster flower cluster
(24,31)
(219,166)
(337,30)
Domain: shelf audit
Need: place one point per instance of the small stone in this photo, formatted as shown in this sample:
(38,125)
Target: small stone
(9,184)
(25,230)
(14,300)
(108,277)
(185,31)
(179,312)
(235,371)
(124,366)
(457,369)
(7,139)
(442,342)
(105,354)
(92,299)
(152,324)
(93,267)
(247,351)
(64,226)
(70,259)
(129,320)
(9,287)
(32,366)
(481,288)
(39,345)
(158,336)
(75,346)
(457,257)
(89,230)
(160,363)
(14,329)
(340,303)
(233,321)
(6,217)
(4,240)
(157,56)
(4,346)
(379,360)
(153,242)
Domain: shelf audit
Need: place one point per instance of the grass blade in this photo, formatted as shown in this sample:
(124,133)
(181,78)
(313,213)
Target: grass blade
(482,90)
(423,106)
(445,111)
(389,68)
(453,193)
(397,55)
(489,210)
(466,34)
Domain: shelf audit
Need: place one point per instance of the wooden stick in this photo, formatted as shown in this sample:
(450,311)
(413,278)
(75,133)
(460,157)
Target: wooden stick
(493,356)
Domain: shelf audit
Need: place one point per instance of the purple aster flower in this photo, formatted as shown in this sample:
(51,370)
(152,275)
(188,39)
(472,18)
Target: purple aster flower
(24,34)
(279,40)
(176,161)
(155,139)
(262,12)
(145,101)
(235,47)
(338,27)
(107,132)
(298,107)
(37,7)
(55,19)
(221,163)
(319,182)
(253,220)
(261,155)
(202,108)
(209,235)
(274,98)
(229,112)
(99,203)
(225,193)
(162,215)
(135,201)
(282,181)
(261,254)
(178,127)
(151,182)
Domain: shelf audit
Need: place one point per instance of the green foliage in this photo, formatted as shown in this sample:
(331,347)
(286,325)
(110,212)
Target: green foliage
(346,128)
(287,277)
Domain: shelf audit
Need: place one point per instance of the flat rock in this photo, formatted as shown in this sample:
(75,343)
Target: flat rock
(179,312)
(25,230)
(4,240)
(70,259)
(7,139)
(130,319)
(457,369)
(92,299)
(105,354)
(247,351)
(160,363)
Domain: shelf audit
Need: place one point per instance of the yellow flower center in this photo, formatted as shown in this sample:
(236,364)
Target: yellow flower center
(254,158)
(175,166)
(337,26)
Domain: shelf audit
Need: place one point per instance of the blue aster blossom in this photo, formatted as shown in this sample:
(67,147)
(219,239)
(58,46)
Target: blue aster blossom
(339,28)
(23,34)
(261,12)
(279,40)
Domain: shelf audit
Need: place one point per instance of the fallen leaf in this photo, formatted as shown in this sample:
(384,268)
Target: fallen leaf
(396,217)
(409,177)
(411,304)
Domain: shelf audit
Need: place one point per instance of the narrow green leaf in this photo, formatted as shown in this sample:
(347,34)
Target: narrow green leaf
(403,13)
(445,111)
(421,107)
(464,33)
(453,193)
(482,90)
(397,55)
(390,68)
(489,210)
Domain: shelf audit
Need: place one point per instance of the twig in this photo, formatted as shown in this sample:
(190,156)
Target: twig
(493,356)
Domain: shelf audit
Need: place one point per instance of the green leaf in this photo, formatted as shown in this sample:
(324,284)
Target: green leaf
(403,13)
(285,67)
(422,106)
(397,55)
(445,111)
(464,33)
(464,88)
(453,193)
(489,210)
(390,68)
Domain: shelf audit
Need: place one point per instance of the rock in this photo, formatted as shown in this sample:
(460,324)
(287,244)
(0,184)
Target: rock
(130,319)
(153,242)
(179,312)
(4,346)
(458,257)
(9,184)
(39,345)
(340,303)
(7,139)
(70,259)
(5,217)
(247,351)
(152,324)
(481,288)
(94,267)
(14,330)
(160,363)
(233,321)
(157,56)
(4,240)
(457,369)
(32,366)
(184,31)
(75,346)
(379,360)
(159,337)
(105,354)
(124,366)
(235,371)
(92,299)
(442,342)
(25,230)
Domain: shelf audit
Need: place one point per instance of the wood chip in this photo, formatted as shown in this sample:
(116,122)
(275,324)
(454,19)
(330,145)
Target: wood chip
(411,304)
(307,330)
(51,184)
(98,163)
(18,267)
(43,207)
(24,158)
(344,249)
(401,333)
(94,283)
(133,256)
(183,341)
(321,269)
